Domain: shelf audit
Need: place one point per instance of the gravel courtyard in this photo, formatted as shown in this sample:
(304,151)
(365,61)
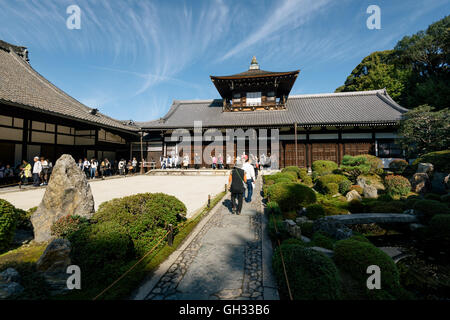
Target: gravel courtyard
(191,190)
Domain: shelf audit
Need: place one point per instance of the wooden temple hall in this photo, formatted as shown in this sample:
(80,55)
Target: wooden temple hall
(39,119)
(310,127)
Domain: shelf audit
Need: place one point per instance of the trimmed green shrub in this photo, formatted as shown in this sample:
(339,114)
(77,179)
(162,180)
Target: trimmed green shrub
(323,167)
(428,208)
(278,177)
(376,165)
(439,230)
(307,229)
(293,241)
(355,166)
(273,208)
(145,216)
(102,250)
(312,275)
(315,211)
(293,174)
(321,240)
(397,185)
(358,189)
(305,178)
(445,198)
(65,226)
(292,169)
(398,166)
(322,182)
(331,189)
(387,207)
(8,222)
(359,238)
(355,256)
(356,206)
(23,219)
(291,196)
(439,159)
(344,186)
(432,196)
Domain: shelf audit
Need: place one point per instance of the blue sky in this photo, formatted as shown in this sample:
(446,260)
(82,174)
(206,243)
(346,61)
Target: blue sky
(132,58)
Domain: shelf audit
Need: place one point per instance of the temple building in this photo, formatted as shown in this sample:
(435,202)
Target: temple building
(39,119)
(311,127)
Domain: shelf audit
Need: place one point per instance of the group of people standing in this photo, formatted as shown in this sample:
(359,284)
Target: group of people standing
(92,168)
(175,161)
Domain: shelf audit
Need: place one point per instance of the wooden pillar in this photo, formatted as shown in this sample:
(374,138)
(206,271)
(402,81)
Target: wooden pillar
(55,144)
(340,147)
(25,140)
(308,151)
(96,145)
(142,152)
(296,147)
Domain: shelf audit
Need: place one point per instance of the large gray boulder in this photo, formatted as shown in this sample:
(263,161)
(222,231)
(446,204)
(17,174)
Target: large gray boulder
(370,192)
(68,192)
(420,183)
(425,168)
(353,195)
(438,183)
(53,264)
(56,257)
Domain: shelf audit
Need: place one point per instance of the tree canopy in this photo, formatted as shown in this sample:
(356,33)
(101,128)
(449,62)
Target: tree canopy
(414,73)
(423,130)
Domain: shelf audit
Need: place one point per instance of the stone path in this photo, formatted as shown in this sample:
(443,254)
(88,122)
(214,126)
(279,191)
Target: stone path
(223,261)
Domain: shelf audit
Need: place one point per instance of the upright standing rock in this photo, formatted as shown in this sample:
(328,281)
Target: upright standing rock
(68,192)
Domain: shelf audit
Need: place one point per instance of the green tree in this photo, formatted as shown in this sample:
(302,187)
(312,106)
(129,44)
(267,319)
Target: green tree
(423,130)
(377,71)
(414,73)
(427,53)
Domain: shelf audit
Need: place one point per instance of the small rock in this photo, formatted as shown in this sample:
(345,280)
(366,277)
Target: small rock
(10,290)
(9,275)
(420,183)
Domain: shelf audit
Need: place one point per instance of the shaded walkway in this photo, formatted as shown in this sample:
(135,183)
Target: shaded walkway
(223,261)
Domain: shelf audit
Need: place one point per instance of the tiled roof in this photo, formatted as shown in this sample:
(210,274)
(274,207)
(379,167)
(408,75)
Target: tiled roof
(349,108)
(256,73)
(21,85)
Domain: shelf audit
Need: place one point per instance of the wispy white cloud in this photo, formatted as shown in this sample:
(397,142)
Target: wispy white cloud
(290,14)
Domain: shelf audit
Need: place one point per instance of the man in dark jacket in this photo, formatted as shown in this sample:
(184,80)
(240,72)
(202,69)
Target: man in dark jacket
(236,181)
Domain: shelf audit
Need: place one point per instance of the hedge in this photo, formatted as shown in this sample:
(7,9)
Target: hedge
(145,216)
(315,211)
(375,163)
(291,196)
(323,167)
(312,275)
(67,225)
(322,182)
(428,208)
(102,251)
(354,257)
(439,230)
(397,185)
(8,221)
(321,240)
(294,169)
(439,159)
(278,177)
(398,166)
(273,208)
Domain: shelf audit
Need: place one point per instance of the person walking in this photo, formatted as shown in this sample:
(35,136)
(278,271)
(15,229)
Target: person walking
(236,181)
(121,167)
(86,166)
(80,164)
(134,163)
(44,171)
(25,173)
(250,174)
(102,169)
(94,165)
(37,169)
